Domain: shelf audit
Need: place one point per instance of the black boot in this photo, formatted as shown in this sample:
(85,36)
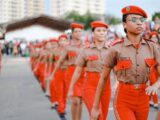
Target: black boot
(62,116)
(54,107)
(156,106)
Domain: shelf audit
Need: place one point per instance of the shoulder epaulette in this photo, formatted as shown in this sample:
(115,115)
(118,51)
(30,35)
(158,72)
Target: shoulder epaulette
(107,44)
(117,42)
(149,40)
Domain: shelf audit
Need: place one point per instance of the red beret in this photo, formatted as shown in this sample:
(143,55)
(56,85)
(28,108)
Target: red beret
(134,10)
(39,45)
(53,40)
(154,33)
(44,42)
(77,25)
(63,36)
(98,24)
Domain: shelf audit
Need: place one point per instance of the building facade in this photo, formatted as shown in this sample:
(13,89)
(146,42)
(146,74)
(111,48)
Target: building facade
(59,8)
(11,10)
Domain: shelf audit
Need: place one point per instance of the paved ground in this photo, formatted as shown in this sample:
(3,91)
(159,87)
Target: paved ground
(21,97)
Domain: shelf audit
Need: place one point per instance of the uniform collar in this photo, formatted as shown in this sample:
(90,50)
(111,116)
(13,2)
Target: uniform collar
(74,43)
(128,42)
(92,45)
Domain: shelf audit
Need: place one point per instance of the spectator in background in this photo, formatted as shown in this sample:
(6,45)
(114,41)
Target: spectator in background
(6,48)
(23,47)
(10,47)
(15,49)
(157,23)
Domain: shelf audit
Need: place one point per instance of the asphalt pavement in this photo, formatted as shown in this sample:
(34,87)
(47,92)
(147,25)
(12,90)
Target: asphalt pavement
(21,97)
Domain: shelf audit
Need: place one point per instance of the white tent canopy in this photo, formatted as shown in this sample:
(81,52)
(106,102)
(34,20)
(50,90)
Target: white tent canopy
(31,33)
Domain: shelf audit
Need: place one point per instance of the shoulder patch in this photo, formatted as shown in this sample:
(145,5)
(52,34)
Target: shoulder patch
(150,40)
(117,42)
(107,44)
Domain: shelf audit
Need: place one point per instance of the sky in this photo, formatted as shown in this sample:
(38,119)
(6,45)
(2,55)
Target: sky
(47,6)
(114,7)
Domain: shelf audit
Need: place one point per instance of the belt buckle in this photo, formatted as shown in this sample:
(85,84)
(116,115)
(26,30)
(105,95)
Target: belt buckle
(137,86)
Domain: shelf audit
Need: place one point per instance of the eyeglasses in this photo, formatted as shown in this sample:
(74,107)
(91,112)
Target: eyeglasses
(135,20)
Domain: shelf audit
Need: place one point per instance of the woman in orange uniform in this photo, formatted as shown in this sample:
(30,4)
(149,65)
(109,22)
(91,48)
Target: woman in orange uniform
(58,83)
(50,46)
(131,101)
(44,56)
(50,90)
(70,54)
(93,59)
(153,73)
(36,61)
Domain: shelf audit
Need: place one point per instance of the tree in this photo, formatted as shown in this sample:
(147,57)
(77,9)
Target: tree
(156,14)
(87,18)
(112,20)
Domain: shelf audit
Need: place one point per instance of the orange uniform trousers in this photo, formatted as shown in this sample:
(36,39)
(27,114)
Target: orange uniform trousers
(78,88)
(90,86)
(33,66)
(131,102)
(53,93)
(53,90)
(40,73)
(59,85)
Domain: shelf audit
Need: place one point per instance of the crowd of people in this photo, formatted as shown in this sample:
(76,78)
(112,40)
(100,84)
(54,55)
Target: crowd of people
(15,48)
(79,70)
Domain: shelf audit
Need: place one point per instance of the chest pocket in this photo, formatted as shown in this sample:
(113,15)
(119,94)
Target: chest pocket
(92,57)
(72,54)
(56,57)
(150,62)
(124,64)
(153,74)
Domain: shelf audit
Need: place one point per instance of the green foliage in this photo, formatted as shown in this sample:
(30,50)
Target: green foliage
(156,14)
(112,20)
(87,18)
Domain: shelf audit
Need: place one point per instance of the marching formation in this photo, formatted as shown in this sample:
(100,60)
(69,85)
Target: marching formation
(79,70)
